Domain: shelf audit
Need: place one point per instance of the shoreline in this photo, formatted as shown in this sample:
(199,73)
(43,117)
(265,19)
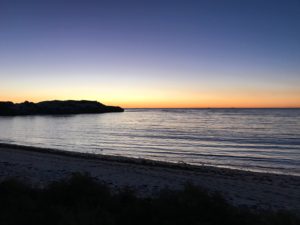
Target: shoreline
(138,161)
(240,188)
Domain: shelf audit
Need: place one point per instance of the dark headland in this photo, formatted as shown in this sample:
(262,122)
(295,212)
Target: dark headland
(55,108)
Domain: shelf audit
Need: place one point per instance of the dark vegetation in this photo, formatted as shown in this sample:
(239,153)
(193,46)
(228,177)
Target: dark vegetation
(81,200)
(55,108)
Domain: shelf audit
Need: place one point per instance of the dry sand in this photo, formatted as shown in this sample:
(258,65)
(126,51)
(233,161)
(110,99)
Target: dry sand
(241,188)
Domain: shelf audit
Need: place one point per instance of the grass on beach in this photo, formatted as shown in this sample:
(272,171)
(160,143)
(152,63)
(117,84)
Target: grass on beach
(81,200)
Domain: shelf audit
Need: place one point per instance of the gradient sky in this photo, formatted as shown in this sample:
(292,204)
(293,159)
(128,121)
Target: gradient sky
(150,53)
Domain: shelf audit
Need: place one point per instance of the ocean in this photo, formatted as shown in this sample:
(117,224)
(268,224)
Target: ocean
(261,140)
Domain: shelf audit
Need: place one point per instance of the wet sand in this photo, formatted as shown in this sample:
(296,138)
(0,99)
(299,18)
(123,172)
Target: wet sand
(240,188)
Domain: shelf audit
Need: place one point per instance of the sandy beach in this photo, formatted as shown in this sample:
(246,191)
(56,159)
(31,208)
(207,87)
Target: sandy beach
(240,188)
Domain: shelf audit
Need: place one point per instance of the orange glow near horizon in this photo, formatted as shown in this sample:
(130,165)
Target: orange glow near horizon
(171,99)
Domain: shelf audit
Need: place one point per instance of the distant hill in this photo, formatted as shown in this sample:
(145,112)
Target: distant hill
(55,108)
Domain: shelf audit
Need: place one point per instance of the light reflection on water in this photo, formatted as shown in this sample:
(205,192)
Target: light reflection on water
(249,139)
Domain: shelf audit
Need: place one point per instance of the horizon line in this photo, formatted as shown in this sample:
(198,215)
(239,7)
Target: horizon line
(212,107)
(166,107)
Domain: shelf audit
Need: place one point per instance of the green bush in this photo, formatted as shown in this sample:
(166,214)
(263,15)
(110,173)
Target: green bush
(81,200)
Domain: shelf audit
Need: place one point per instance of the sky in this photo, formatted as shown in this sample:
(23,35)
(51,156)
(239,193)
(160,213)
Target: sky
(152,53)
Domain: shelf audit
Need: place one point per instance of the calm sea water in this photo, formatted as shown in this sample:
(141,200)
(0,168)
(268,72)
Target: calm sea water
(266,140)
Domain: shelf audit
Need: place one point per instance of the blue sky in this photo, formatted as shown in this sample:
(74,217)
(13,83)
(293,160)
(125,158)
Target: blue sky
(152,53)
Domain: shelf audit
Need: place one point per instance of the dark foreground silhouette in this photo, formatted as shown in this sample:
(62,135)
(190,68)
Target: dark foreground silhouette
(55,108)
(81,200)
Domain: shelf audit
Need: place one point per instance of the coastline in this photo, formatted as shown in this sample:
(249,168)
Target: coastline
(240,188)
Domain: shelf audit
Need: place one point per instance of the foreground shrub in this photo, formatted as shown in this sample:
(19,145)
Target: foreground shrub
(81,200)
